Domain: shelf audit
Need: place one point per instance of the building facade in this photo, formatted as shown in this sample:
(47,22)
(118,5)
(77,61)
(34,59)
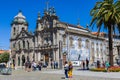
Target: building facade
(54,40)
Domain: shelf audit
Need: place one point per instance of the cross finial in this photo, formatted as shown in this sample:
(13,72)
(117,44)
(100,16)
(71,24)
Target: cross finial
(47,3)
(38,15)
(78,21)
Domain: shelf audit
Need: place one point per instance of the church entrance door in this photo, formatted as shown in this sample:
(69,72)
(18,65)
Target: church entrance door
(46,59)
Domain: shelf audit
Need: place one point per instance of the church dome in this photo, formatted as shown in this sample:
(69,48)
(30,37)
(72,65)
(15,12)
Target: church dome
(20,18)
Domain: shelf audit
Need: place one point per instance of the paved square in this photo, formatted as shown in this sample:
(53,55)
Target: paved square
(49,74)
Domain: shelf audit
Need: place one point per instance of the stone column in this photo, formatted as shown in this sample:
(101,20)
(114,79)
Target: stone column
(43,59)
(53,49)
(21,60)
(34,54)
(91,52)
(26,57)
(16,61)
(39,56)
(57,51)
(31,56)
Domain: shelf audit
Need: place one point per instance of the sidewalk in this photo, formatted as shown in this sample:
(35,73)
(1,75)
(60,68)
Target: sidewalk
(55,74)
(96,75)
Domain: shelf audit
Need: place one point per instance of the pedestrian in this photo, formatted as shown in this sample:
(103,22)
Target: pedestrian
(103,64)
(107,65)
(70,71)
(83,65)
(35,66)
(98,64)
(29,66)
(56,64)
(87,63)
(66,69)
(26,66)
(51,64)
(39,66)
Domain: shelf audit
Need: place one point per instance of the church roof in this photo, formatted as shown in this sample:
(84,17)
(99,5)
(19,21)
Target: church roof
(75,26)
(20,15)
(100,33)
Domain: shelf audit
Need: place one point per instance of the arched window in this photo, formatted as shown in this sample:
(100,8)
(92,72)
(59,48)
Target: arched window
(92,54)
(79,42)
(71,41)
(97,50)
(92,44)
(64,39)
(101,45)
(14,29)
(101,50)
(97,45)
(19,44)
(28,44)
(18,60)
(23,44)
(14,45)
(23,60)
(87,43)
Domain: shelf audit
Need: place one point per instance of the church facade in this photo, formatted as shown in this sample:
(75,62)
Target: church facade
(58,41)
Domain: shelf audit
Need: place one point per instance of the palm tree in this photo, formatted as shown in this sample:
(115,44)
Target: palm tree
(107,13)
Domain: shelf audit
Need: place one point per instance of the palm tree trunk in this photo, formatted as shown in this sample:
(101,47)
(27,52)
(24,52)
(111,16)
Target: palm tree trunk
(110,30)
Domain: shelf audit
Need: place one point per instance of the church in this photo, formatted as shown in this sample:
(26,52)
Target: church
(54,40)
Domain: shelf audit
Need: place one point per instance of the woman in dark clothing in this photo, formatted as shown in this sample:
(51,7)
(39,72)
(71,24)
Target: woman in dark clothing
(66,67)
(83,63)
(87,64)
(29,66)
(39,66)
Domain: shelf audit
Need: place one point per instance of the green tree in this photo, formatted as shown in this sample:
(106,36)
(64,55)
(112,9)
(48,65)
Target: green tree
(106,13)
(4,57)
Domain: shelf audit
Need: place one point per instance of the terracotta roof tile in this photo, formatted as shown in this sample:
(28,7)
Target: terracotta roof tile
(100,33)
(2,51)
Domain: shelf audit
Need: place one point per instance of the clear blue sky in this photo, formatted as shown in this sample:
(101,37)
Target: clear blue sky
(68,11)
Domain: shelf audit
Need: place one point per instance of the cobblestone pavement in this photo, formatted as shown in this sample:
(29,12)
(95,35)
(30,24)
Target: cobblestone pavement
(49,74)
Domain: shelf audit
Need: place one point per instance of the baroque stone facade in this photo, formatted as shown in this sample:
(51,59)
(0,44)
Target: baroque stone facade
(54,40)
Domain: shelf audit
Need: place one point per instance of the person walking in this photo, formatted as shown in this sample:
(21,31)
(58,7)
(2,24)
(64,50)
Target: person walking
(83,65)
(39,66)
(51,64)
(29,66)
(26,66)
(70,71)
(87,63)
(66,69)
(54,64)
(107,65)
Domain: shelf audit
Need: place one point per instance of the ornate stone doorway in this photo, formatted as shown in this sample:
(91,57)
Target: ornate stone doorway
(23,60)
(46,59)
(18,60)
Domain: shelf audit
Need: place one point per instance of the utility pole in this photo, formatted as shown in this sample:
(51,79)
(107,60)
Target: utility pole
(68,44)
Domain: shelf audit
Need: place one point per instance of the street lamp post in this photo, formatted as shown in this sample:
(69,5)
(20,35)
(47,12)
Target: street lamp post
(60,54)
(68,56)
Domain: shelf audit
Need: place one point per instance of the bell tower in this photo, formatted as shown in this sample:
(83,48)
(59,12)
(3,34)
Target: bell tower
(18,24)
(39,24)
